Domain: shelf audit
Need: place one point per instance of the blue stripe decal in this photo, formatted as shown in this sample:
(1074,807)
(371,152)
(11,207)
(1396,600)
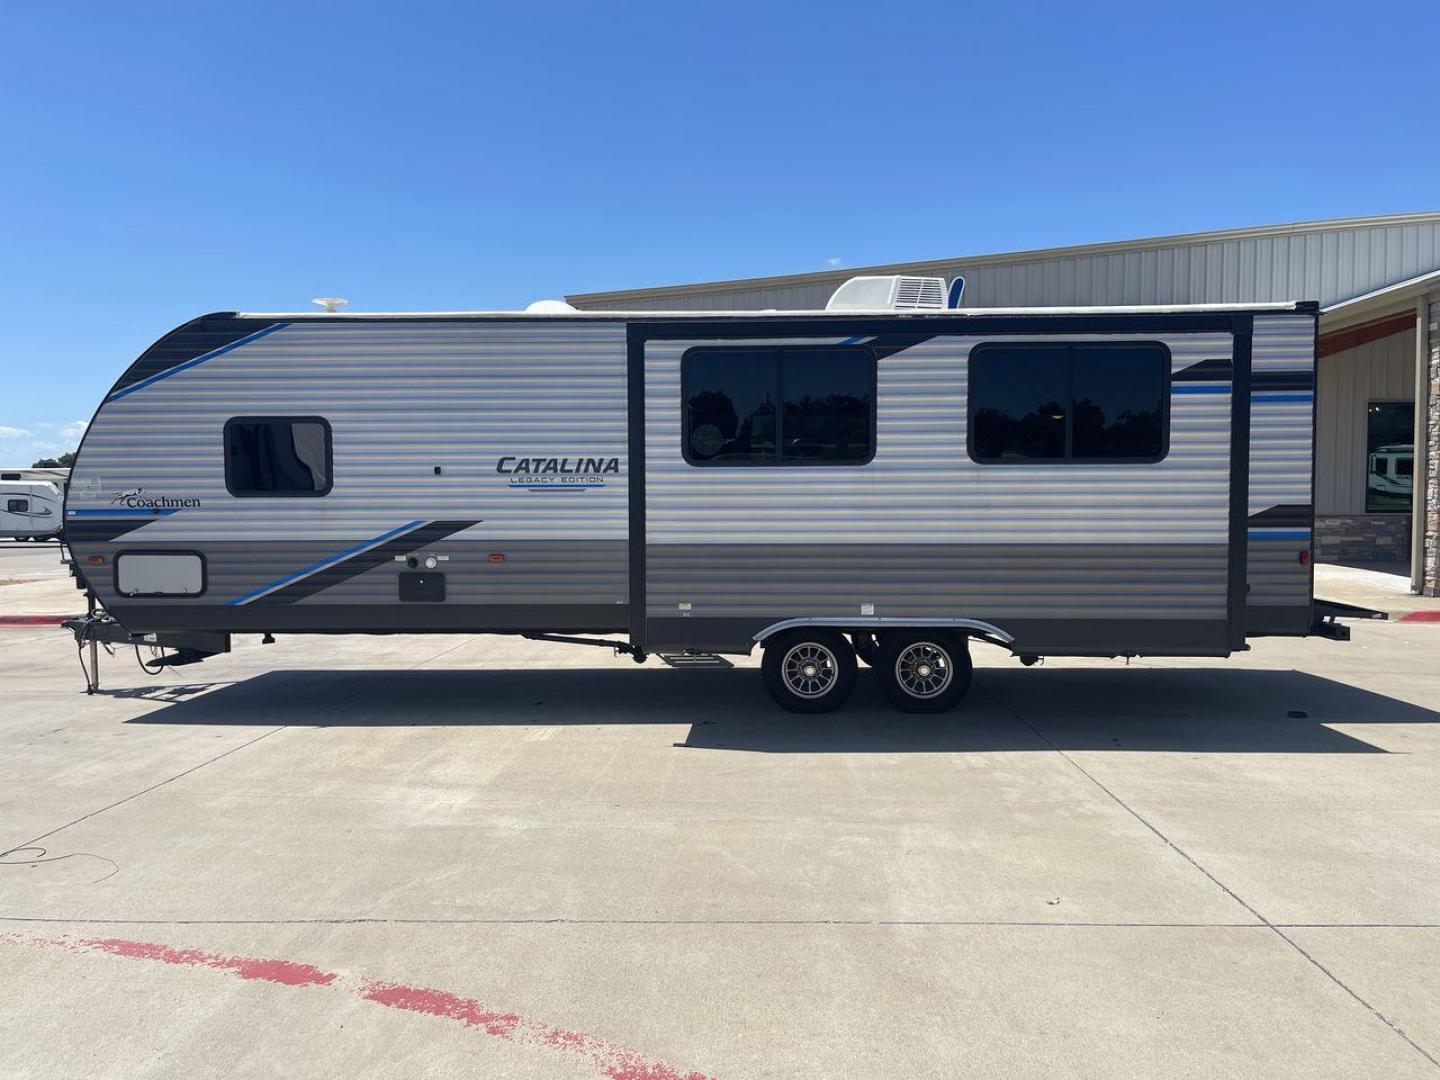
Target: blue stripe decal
(1201,388)
(153,379)
(1268,397)
(323,563)
(122,513)
(1279,534)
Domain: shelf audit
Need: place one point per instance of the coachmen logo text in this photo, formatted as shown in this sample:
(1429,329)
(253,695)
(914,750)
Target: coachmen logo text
(534,473)
(136,499)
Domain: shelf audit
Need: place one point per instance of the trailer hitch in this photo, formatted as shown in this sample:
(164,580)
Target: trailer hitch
(98,627)
(1328,613)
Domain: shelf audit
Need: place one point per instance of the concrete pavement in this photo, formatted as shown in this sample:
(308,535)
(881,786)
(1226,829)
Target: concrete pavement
(524,860)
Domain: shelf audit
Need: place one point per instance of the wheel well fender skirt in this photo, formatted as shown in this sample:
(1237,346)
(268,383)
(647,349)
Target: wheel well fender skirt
(971,627)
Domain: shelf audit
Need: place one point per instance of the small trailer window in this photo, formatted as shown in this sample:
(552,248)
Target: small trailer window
(810,405)
(17,506)
(1085,403)
(278,456)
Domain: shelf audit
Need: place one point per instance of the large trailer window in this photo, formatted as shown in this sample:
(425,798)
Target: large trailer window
(1072,402)
(269,456)
(807,405)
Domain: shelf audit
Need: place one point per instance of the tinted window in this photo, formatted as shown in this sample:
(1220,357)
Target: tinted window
(1044,402)
(730,405)
(765,406)
(277,456)
(1390,456)
(1119,401)
(17,506)
(828,395)
(1019,400)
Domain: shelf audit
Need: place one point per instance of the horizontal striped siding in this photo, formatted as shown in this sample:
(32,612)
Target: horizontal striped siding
(534,572)
(923,488)
(1281,462)
(986,581)
(401,398)
(1276,576)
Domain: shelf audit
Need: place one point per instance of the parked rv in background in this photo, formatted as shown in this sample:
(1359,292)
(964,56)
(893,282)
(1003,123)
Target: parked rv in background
(30,509)
(57,476)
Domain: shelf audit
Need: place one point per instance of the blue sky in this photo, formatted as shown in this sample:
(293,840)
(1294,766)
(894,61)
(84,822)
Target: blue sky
(160,161)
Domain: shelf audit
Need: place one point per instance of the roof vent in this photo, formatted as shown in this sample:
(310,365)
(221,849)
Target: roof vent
(549,307)
(897,292)
(331,304)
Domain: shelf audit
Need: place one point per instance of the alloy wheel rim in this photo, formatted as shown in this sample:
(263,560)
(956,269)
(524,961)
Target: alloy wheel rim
(810,670)
(924,670)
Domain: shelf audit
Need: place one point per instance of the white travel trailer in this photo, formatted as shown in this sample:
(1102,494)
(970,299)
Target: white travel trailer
(58,476)
(30,510)
(825,485)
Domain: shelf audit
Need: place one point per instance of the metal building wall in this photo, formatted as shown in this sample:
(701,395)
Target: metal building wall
(1347,382)
(1322,261)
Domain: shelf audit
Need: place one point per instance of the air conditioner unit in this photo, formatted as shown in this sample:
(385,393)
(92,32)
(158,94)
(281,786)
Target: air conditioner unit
(896,292)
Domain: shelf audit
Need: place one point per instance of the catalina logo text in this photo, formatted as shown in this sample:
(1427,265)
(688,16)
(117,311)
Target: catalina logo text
(566,473)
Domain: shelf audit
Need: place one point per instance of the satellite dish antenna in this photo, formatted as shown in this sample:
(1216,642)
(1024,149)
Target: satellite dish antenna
(331,304)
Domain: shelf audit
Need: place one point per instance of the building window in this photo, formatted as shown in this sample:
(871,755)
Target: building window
(269,456)
(17,506)
(773,407)
(1389,456)
(1032,403)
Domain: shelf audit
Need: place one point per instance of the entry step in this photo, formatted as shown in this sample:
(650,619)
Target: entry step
(696,660)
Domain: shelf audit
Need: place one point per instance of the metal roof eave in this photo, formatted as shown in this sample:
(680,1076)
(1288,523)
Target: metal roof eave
(1379,302)
(962,263)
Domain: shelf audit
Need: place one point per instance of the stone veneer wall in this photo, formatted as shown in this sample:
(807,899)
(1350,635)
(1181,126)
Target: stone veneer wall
(1430,564)
(1362,537)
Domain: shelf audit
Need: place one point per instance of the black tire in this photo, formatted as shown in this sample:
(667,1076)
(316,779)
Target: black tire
(867,649)
(809,671)
(924,671)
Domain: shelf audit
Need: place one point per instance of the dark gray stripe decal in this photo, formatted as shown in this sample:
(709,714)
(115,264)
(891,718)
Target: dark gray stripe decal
(102,530)
(1293,514)
(1216,370)
(1282,380)
(368,559)
(191,341)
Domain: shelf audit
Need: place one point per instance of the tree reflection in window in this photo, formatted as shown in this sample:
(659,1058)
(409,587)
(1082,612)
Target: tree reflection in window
(827,397)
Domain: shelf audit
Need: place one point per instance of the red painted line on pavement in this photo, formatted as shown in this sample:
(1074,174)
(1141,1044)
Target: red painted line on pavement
(246,967)
(1421,616)
(34,620)
(609,1060)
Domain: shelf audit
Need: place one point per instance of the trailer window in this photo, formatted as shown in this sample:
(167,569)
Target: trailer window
(1090,403)
(795,406)
(278,456)
(17,506)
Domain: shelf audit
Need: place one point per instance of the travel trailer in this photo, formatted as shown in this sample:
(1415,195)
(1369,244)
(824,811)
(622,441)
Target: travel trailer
(886,485)
(1392,472)
(30,510)
(59,476)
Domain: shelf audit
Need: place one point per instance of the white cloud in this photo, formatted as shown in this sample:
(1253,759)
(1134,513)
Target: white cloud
(833,262)
(43,438)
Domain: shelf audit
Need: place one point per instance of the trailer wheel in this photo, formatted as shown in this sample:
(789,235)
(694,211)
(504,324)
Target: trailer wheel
(809,671)
(924,672)
(867,649)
